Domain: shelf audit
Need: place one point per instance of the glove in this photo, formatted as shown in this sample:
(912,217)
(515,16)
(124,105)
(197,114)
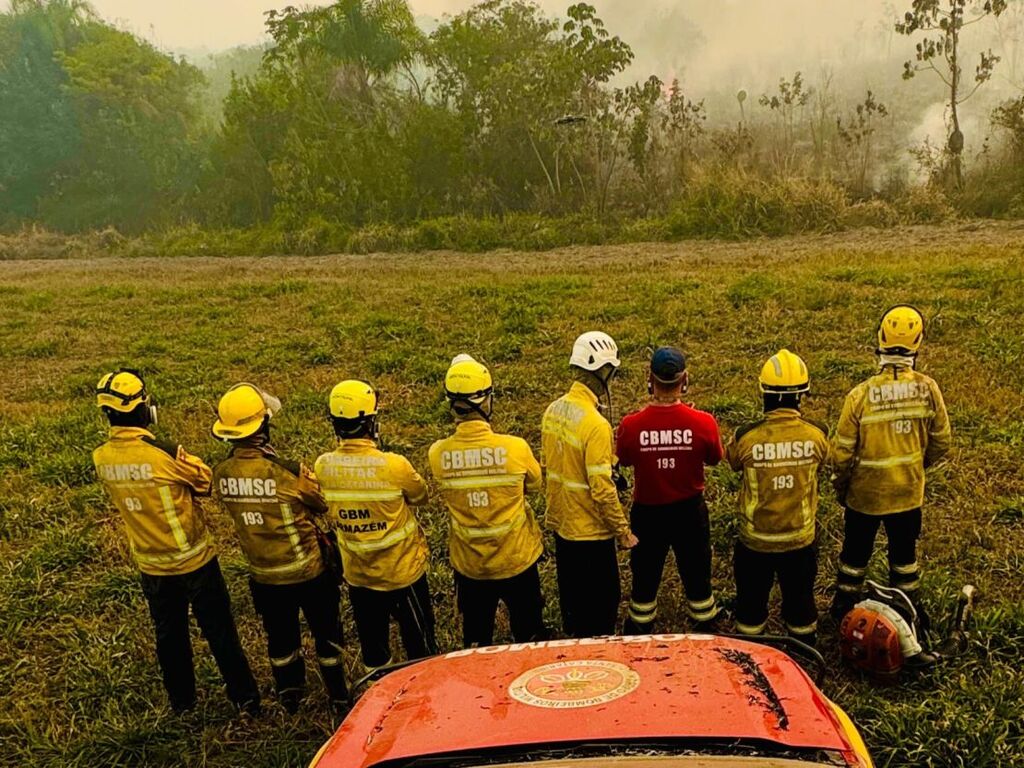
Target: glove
(621,483)
(842,487)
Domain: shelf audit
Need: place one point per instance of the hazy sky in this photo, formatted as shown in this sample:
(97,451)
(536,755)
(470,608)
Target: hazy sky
(218,24)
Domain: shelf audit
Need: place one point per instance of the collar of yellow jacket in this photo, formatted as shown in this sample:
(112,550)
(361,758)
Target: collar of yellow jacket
(474,428)
(580,391)
(251,451)
(129,433)
(356,445)
(783,413)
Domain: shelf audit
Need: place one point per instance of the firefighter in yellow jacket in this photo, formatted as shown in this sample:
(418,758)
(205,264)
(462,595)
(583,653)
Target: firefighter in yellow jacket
(494,538)
(272,502)
(892,427)
(583,506)
(779,456)
(153,484)
(383,550)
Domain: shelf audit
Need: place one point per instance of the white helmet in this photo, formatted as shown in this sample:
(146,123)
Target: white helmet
(594,350)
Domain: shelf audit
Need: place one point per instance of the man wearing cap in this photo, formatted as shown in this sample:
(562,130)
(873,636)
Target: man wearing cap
(668,444)
(273,502)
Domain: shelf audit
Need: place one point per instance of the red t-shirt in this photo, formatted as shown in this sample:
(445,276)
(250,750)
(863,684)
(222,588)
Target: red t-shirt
(668,445)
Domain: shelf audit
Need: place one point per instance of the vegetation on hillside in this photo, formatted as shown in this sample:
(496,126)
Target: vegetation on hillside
(354,119)
(79,684)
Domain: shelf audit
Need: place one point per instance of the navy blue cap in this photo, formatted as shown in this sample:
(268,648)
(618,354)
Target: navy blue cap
(668,365)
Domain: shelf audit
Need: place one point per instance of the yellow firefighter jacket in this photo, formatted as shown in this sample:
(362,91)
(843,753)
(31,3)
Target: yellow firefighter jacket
(779,457)
(152,483)
(272,503)
(368,494)
(484,478)
(582,502)
(892,427)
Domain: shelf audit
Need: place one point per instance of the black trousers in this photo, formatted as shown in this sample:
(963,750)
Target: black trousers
(169,598)
(278,606)
(682,527)
(756,573)
(410,607)
(588,586)
(478,603)
(902,530)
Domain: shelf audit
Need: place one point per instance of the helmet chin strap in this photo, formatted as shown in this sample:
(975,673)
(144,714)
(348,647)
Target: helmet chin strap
(485,415)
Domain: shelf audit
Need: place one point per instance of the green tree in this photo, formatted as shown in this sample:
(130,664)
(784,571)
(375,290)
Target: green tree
(38,130)
(511,75)
(139,148)
(943,22)
(319,129)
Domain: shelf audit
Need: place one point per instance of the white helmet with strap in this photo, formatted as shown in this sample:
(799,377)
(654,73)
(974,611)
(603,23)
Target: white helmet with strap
(593,350)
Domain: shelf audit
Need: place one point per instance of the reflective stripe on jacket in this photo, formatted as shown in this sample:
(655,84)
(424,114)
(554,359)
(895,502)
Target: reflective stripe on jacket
(272,503)
(484,478)
(368,493)
(892,427)
(152,484)
(582,502)
(779,457)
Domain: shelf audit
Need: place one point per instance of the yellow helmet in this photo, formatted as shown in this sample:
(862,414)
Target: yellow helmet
(467,380)
(242,410)
(121,391)
(784,373)
(901,329)
(353,400)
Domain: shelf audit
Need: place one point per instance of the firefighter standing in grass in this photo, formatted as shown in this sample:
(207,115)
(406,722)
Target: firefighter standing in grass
(383,550)
(494,538)
(779,456)
(583,505)
(153,484)
(892,428)
(272,502)
(669,443)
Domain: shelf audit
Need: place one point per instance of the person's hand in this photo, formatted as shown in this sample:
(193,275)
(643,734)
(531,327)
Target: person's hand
(628,541)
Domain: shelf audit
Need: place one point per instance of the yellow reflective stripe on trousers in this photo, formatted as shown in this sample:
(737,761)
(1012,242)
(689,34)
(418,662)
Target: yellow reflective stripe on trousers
(751,629)
(898,415)
(390,494)
(293,534)
(484,481)
(382,543)
(284,661)
(468,533)
(171,513)
(806,629)
(568,483)
(894,461)
(277,570)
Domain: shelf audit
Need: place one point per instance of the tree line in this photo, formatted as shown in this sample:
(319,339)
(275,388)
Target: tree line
(356,116)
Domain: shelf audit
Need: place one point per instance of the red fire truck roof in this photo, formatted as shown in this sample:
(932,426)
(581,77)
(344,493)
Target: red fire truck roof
(617,689)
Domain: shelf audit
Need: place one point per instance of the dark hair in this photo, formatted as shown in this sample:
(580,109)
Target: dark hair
(775,400)
(353,429)
(137,417)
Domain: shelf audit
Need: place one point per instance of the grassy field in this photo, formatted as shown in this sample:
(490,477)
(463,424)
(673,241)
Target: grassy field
(78,679)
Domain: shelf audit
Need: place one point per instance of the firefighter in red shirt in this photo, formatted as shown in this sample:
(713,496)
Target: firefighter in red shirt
(669,443)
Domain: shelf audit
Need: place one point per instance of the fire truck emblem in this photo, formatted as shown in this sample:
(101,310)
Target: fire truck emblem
(573,684)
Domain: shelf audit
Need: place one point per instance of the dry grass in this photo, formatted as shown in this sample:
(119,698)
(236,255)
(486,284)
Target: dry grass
(78,680)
